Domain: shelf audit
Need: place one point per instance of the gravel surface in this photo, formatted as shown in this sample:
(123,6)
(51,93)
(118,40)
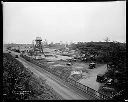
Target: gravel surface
(91,77)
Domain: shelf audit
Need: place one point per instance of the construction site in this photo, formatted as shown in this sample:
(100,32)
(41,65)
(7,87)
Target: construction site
(69,65)
(64,51)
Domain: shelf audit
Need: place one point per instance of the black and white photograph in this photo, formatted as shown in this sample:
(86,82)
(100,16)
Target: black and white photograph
(64,51)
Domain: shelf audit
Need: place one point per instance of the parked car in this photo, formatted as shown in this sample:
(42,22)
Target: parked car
(101,78)
(38,57)
(69,64)
(92,65)
(83,59)
(16,56)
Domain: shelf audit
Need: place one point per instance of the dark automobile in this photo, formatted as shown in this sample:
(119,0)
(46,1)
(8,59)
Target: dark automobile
(16,56)
(83,59)
(69,64)
(74,59)
(92,65)
(101,78)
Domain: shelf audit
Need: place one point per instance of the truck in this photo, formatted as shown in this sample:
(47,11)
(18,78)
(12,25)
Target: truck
(38,57)
(16,56)
(92,65)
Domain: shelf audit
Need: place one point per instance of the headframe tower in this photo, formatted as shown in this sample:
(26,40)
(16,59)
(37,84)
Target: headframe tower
(38,47)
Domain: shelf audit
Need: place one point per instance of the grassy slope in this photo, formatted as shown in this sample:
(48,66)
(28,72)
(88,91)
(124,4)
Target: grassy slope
(16,79)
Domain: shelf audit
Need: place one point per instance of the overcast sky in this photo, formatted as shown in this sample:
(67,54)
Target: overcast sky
(64,21)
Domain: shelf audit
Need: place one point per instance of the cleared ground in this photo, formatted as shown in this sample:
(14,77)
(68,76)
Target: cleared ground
(88,77)
(91,77)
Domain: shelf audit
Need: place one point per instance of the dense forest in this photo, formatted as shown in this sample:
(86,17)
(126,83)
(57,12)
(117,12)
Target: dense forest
(103,51)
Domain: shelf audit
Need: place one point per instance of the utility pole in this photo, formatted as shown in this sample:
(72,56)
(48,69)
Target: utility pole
(107,39)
